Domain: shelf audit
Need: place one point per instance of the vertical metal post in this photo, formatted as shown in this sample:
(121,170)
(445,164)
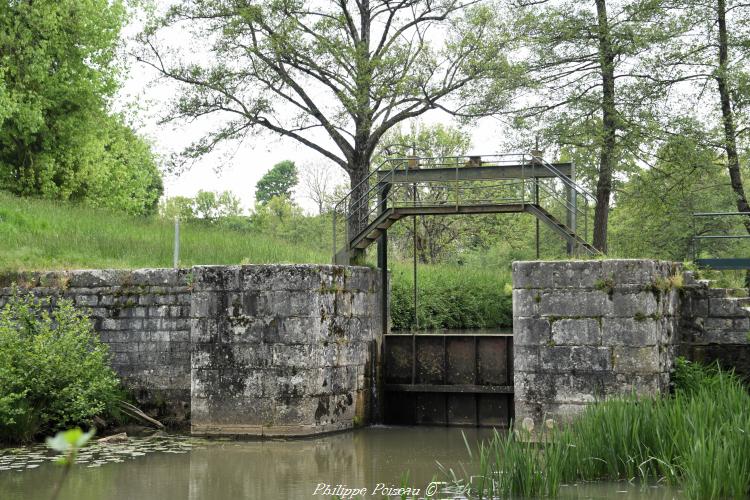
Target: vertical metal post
(572,196)
(383,259)
(176,255)
(333,258)
(536,200)
(414,252)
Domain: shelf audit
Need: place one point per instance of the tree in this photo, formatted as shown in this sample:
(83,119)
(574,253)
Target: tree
(715,51)
(653,216)
(279,181)
(122,172)
(58,72)
(591,72)
(210,205)
(345,71)
(435,235)
(180,207)
(316,181)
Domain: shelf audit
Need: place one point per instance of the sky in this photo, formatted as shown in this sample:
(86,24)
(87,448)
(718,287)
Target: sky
(236,167)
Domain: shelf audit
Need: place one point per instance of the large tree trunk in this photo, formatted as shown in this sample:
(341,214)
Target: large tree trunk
(360,203)
(730,132)
(609,128)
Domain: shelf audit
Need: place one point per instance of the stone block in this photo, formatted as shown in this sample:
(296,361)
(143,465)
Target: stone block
(727,307)
(632,304)
(526,302)
(636,359)
(299,330)
(555,358)
(351,353)
(535,274)
(630,332)
(590,359)
(629,271)
(582,332)
(301,411)
(245,329)
(285,383)
(584,387)
(531,331)
(302,356)
(216,278)
(250,355)
(536,387)
(726,337)
(526,358)
(575,274)
(91,278)
(150,277)
(86,300)
(576,303)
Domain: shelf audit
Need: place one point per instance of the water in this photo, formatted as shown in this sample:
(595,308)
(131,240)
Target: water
(185,468)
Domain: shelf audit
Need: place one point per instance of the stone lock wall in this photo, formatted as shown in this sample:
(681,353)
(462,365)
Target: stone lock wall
(585,330)
(260,350)
(715,325)
(283,350)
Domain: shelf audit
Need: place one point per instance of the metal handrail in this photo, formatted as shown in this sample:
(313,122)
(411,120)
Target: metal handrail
(449,187)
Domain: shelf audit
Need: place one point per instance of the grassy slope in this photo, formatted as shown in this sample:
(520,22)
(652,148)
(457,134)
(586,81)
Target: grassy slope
(36,234)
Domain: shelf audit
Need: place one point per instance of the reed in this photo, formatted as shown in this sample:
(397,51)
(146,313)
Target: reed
(698,439)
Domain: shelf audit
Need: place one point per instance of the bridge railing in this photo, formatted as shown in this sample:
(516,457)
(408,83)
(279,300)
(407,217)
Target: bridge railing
(555,192)
(705,243)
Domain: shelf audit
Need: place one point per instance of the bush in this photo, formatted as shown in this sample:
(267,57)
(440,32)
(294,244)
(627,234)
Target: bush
(54,371)
(451,296)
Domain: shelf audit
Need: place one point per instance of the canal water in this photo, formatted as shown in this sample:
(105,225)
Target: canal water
(180,467)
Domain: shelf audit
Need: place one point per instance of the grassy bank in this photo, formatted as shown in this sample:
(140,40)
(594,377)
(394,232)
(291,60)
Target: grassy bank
(698,439)
(44,235)
(38,234)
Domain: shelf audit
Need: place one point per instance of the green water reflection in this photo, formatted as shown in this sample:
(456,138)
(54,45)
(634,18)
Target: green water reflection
(278,469)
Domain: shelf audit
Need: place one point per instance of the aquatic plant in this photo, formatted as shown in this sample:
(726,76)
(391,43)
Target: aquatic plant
(698,439)
(68,443)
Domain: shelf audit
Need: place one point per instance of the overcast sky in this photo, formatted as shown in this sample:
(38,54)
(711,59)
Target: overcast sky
(238,167)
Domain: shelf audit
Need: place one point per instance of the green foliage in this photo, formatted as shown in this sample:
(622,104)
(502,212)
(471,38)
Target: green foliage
(697,439)
(211,206)
(57,74)
(181,207)
(654,212)
(450,296)
(54,371)
(277,182)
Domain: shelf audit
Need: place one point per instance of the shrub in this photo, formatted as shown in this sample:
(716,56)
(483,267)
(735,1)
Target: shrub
(451,296)
(54,371)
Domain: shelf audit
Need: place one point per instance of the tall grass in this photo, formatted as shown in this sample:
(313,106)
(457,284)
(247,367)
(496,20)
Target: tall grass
(38,234)
(698,439)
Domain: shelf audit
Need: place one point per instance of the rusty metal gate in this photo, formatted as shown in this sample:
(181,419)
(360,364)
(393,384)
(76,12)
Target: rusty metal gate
(448,379)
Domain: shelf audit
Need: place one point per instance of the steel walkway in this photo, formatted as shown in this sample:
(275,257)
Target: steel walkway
(473,185)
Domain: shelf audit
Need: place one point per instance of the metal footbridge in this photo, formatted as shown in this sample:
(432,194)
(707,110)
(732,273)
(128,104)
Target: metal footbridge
(461,185)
